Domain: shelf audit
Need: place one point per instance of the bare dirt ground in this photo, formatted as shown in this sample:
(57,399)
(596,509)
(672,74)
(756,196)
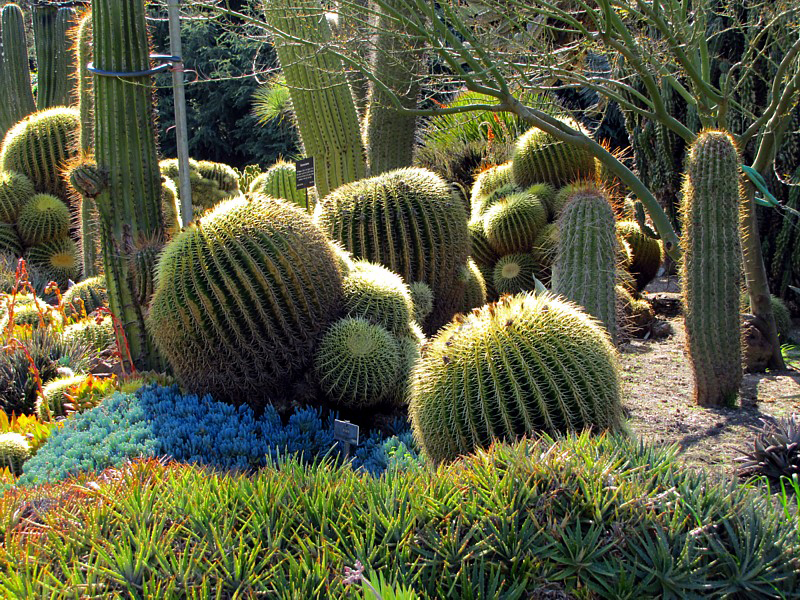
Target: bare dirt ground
(657,388)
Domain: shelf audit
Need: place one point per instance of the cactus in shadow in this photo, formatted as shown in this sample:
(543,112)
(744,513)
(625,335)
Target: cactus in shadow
(523,365)
(129,205)
(323,105)
(243,295)
(58,260)
(53,54)
(711,267)
(40,146)
(646,254)
(471,278)
(514,273)
(15,84)
(9,240)
(280,181)
(389,135)
(584,270)
(408,221)
(16,190)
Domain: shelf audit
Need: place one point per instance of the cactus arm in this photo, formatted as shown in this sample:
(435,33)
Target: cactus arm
(16,70)
(130,205)
(53,54)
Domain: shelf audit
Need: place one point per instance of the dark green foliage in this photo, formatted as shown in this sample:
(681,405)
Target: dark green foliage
(242,297)
(783,319)
(776,451)
(219,108)
(711,268)
(408,221)
(40,145)
(49,352)
(15,191)
(552,369)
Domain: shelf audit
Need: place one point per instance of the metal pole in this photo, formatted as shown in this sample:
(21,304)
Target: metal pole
(181,129)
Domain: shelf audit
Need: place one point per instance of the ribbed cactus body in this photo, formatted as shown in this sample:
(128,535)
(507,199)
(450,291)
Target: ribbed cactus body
(142,260)
(53,55)
(56,395)
(90,294)
(546,194)
(486,182)
(225,177)
(422,297)
(129,207)
(541,158)
(484,203)
(323,105)
(482,252)
(474,286)
(544,250)
(512,224)
(389,135)
(585,267)
(84,81)
(170,208)
(44,218)
(525,364)
(243,296)
(15,192)
(374,293)
(9,240)
(514,273)
(646,252)
(358,363)
(57,259)
(16,92)
(712,267)
(280,181)
(96,334)
(14,451)
(407,221)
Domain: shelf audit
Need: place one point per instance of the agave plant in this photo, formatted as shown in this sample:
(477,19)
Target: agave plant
(776,451)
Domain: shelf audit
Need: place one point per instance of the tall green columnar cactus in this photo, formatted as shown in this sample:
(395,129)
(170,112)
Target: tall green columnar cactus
(389,134)
(83,80)
(585,267)
(711,267)
(129,206)
(16,93)
(323,105)
(53,54)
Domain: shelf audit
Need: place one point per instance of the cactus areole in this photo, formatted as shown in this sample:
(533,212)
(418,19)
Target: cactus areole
(125,147)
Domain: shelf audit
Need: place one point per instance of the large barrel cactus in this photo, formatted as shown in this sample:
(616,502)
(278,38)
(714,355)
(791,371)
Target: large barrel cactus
(406,220)
(44,218)
(280,181)
(40,145)
(711,267)
(540,157)
(586,261)
(512,224)
(525,364)
(242,297)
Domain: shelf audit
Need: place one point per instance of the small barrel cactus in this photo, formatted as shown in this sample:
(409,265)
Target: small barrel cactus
(90,294)
(14,451)
(544,250)
(546,194)
(372,292)
(646,253)
(487,182)
(525,364)
(711,267)
(224,175)
(539,157)
(408,221)
(97,334)
(357,363)
(474,286)
(514,273)
(481,250)
(40,145)
(422,297)
(484,203)
(16,190)
(44,219)
(57,260)
(242,297)
(512,224)
(279,181)
(585,267)
(56,395)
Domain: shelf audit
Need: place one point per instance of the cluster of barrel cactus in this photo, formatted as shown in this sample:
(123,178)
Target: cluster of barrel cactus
(212,183)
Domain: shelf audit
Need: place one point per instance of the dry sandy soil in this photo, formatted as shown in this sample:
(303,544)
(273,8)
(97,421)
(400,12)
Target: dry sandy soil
(657,382)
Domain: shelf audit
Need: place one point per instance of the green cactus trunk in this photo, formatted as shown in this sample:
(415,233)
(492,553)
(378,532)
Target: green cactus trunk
(323,104)
(389,134)
(130,206)
(712,268)
(16,92)
(83,79)
(585,266)
(53,55)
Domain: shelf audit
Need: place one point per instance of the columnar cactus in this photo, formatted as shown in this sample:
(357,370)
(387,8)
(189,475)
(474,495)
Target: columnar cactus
(390,135)
(53,54)
(541,158)
(323,105)
(280,181)
(83,79)
(712,267)
(16,92)
(243,295)
(585,267)
(129,207)
(407,221)
(525,364)
(39,147)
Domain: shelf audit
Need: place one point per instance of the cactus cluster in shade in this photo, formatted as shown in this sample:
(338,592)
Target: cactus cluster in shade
(280,181)
(711,267)
(211,184)
(646,252)
(585,267)
(242,297)
(408,221)
(552,369)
